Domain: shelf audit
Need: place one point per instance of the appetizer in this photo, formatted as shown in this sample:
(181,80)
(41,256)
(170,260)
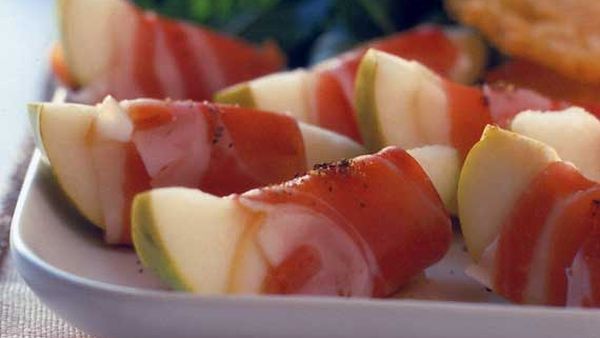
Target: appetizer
(530,221)
(113,47)
(324,94)
(403,103)
(355,228)
(105,154)
(269,190)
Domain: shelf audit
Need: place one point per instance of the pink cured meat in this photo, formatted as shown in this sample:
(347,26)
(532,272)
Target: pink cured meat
(545,251)
(333,93)
(198,145)
(361,227)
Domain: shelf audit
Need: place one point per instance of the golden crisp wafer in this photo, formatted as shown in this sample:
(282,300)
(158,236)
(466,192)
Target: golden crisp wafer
(563,35)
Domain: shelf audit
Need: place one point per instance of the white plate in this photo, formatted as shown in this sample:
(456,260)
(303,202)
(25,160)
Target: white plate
(101,290)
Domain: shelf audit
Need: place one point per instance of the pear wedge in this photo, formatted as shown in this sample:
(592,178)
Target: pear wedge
(189,238)
(399,103)
(85,28)
(573,133)
(442,165)
(495,173)
(62,131)
(284,92)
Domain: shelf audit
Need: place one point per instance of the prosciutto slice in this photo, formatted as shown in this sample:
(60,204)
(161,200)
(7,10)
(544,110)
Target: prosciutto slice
(332,90)
(361,227)
(214,148)
(546,251)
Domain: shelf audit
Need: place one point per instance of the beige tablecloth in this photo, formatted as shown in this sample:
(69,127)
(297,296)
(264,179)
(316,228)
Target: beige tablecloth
(21,312)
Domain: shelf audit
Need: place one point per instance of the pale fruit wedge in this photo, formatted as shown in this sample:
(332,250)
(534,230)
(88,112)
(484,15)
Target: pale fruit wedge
(573,133)
(494,175)
(190,238)
(63,130)
(399,103)
(284,92)
(322,145)
(442,165)
(85,28)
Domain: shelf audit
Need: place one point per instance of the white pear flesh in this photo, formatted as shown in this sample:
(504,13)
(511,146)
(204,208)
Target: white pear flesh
(321,145)
(189,238)
(400,103)
(86,30)
(442,165)
(573,133)
(495,173)
(63,133)
(284,92)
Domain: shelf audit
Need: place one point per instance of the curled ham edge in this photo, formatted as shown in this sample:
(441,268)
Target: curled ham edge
(579,284)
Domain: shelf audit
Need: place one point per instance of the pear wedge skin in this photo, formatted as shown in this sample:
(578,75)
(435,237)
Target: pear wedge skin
(85,27)
(63,131)
(189,238)
(240,94)
(365,102)
(495,173)
(399,103)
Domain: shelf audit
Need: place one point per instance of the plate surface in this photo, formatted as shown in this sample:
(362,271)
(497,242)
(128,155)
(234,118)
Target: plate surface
(104,291)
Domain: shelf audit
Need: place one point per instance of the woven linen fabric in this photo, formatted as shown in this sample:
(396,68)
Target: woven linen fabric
(22,314)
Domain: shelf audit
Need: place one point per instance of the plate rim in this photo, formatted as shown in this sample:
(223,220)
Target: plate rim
(19,247)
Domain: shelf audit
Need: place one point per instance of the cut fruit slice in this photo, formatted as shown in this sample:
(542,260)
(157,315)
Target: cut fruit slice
(400,103)
(404,104)
(63,131)
(496,171)
(442,165)
(284,92)
(192,255)
(291,238)
(86,37)
(322,145)
(573,133)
